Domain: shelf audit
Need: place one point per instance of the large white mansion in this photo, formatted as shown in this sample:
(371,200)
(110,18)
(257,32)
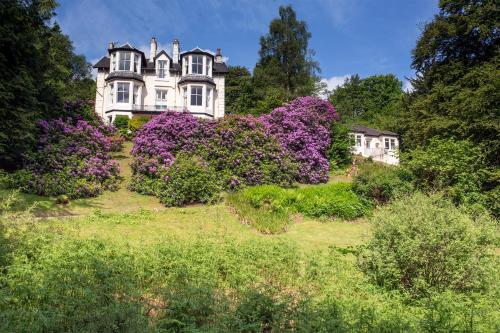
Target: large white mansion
(130,84)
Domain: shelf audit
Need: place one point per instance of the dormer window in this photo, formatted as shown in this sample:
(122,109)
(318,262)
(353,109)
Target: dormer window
(197,64)
(124,64)
(162,68)
(113,62)
(209,64)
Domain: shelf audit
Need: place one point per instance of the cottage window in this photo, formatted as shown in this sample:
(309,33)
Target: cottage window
(358,140)
(123,92)
(393,144)
(197,65)
(124,61)
(162,68)
(386,143)
(196,95)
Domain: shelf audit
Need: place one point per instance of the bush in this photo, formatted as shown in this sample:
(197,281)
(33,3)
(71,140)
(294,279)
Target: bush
(269,208)
(340,151)
(136,123)
(70,159)
(121,122)
(424,244)
(456,167)
(302,127)
(382,183)
(243,154)
(189,180)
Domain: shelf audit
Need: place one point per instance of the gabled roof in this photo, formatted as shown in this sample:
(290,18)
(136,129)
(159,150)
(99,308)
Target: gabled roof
(165,53)
(197,50)
(370,131)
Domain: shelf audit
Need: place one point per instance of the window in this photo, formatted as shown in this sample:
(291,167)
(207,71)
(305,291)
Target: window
(386,143)
(113,62)
(209,98)
(358,140)
(367,143)
(162,68)
(208,66)
(186,65)
(197,65)
(123,92)
(111,93)
(136,63)
(184,95)
(160,107)
(135,98)
(124,61)
(196,95)
(161,95)
(393,144)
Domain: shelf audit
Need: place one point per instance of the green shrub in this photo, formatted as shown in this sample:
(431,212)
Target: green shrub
(136,123)
(382,183)
(340,151)
(423,244)
(189,180)
(121,122)
(268,208)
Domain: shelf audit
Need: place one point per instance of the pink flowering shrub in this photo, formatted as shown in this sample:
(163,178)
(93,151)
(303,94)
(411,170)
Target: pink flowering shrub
(302,127)
(71,158)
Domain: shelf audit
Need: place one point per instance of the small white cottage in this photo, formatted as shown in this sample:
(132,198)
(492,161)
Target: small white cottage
(381,146)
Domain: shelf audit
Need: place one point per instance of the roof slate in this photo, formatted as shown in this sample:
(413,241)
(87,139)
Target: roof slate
(371,132)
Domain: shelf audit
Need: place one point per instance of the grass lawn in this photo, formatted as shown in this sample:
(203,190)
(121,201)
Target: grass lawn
(125,216)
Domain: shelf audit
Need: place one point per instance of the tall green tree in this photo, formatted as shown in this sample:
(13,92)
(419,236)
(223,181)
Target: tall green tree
(285,66)
(239,90)
(374,101)
(457,89)
(36,65)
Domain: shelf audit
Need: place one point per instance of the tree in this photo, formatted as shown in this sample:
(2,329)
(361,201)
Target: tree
(457,89)
(37,73)
(239,90)
(374,101)
(285,61)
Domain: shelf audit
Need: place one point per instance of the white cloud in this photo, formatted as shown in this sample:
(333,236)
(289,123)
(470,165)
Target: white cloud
(407,86)
(335,81)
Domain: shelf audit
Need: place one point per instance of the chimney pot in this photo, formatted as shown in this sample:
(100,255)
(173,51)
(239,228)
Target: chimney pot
(175,51)
(152,52)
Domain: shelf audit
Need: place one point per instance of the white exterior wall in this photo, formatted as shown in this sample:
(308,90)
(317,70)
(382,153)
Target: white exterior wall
(108,107)
(374,147)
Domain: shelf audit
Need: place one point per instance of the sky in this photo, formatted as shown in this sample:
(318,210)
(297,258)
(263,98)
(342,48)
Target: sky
(365,37)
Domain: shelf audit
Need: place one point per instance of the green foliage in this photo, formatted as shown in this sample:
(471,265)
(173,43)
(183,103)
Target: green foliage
(285,59)
(136,123)
(340,151)
(424,244)
(189,180)
(268,208)
(457,88)
(457,167)
(375,101)
(382,183)
(239,93)
(37,72)
(121,122)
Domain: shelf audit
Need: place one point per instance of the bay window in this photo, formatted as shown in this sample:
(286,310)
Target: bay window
(135,97)
(136,63)
(197,64)
(111,93)
(123,92)
(209,98)
(209,63)
(124,64)
(196,95)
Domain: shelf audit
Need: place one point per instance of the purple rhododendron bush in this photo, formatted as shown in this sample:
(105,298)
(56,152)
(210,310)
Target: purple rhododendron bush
(71,158)
(285,146)
(302,127)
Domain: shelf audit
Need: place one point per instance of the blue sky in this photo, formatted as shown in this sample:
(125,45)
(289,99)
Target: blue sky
(349,36)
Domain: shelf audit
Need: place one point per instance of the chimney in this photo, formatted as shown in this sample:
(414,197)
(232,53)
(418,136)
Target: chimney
(111,45)
(175,51)
(152,52)
(218,57)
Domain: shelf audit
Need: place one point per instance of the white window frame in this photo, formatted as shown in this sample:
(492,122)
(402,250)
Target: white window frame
(136,63)
(359,140)
(125,91)
(162,69)
(208,101)
(198,64)
(198,95)
(113,62)
(111,93)
(123,61)
(161,92)
(135,96)
(209,63)
(392,142)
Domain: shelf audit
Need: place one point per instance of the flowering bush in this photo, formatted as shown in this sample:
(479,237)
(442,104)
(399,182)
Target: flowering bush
(71,158)
(302,127)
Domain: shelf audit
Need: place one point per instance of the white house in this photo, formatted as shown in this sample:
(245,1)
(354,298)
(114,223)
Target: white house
(382,146)
(130,84)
